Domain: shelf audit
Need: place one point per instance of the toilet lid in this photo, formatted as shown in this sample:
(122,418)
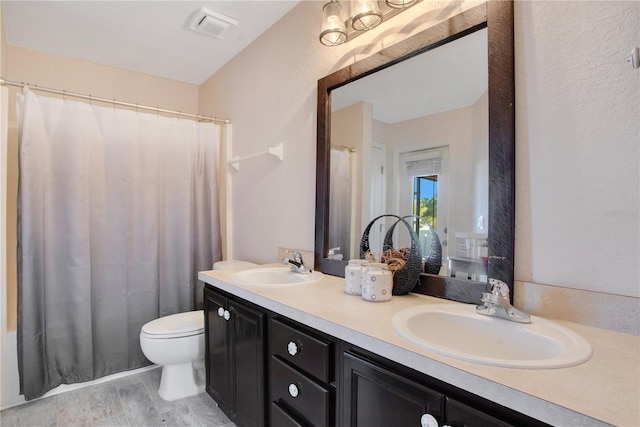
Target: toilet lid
(176,325)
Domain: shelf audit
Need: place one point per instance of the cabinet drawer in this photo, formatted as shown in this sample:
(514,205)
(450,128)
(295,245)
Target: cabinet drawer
(309,353)
(280,417)
(303,396)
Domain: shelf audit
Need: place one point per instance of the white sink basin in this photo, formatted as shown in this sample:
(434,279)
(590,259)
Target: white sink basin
(274,276)
(456,330)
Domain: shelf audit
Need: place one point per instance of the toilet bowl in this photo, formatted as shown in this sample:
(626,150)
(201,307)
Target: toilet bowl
(176,342)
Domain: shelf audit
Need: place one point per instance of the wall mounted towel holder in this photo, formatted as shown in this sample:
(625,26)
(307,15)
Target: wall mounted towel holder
(276,151)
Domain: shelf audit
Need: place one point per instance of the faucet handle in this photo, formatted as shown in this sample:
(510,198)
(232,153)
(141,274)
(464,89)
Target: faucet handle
(297,256)
(499,288)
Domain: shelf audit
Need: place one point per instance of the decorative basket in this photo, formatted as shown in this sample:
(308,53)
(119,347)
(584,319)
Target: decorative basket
(406,278)
(433,262)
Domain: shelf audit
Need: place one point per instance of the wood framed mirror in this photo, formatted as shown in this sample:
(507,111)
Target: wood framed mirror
(496,17)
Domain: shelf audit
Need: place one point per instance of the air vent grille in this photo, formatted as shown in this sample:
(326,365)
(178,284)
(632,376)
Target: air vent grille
(211,23)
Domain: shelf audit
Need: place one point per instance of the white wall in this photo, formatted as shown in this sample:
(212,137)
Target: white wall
(269,91)
(577,135)
(468,150)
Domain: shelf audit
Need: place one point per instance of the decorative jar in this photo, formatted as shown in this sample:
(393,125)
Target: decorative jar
(377,283)
(353,276)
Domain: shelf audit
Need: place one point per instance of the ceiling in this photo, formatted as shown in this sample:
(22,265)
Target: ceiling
(151,37)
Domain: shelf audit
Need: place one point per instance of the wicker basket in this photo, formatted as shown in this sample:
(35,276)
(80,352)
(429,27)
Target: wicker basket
(405,279)
(433,262)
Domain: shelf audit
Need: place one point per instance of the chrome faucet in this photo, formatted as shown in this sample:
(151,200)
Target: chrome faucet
(297,264)
(496,304)
(333,253)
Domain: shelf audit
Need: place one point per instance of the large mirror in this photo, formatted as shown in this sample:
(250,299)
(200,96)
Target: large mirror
(425,127)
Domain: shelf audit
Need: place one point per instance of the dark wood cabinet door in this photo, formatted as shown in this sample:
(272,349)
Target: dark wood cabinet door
(461,415)
(247,336)
(377,397)
(218,351)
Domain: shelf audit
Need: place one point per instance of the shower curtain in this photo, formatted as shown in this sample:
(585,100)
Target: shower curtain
(340,202)
(117,213)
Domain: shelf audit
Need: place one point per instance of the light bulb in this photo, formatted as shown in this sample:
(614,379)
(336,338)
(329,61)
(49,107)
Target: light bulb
(367,15)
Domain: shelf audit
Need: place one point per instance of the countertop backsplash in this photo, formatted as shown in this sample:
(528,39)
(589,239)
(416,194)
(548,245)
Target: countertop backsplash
(597,309)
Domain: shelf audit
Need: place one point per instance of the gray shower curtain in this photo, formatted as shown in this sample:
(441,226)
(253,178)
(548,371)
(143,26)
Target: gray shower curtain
(117,213)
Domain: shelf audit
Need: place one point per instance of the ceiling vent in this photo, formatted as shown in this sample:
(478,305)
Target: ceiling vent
(211,23)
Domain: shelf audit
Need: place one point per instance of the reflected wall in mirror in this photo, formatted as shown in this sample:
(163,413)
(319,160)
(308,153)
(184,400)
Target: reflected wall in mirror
(412,139)
(425,127)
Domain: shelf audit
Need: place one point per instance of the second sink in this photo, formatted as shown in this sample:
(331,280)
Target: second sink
(456,330)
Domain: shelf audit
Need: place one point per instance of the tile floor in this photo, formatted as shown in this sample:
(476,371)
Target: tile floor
(131,401)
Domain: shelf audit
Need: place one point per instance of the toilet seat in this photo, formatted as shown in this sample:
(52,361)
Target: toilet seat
(175,326)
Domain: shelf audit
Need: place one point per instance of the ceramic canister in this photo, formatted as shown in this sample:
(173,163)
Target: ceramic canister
(353,273)
(377,282)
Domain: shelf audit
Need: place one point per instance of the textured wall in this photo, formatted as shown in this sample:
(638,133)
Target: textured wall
(269,92)
(578,126)
(577,136)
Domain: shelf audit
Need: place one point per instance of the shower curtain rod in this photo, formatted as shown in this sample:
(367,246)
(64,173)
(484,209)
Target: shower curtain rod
(5,82)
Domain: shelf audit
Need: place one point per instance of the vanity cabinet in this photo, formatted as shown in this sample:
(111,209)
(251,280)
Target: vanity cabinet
(267,370)
(377,392)
(234,357)
(303,374)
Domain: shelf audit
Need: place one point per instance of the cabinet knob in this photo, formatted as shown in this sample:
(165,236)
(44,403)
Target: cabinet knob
(226,315)
(428,420)
(293,348)
(294,391)
(220,311)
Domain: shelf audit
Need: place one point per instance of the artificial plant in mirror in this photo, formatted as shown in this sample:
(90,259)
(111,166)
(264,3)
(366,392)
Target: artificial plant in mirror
(425,128)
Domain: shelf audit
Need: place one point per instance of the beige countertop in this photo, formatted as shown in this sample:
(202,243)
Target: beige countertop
(604,390)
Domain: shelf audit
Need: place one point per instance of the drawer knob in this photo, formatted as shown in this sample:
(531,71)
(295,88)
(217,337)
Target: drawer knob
(294,391)
(293,348)
(220,311)
(428,420)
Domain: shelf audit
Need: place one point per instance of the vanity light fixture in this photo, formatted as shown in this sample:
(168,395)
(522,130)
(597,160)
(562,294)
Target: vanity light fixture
(334,31)
(365,15)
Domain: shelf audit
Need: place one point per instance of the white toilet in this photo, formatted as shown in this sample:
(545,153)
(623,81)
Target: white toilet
(176,342)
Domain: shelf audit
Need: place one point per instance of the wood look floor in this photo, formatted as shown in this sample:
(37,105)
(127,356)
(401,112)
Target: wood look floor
(131,401)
